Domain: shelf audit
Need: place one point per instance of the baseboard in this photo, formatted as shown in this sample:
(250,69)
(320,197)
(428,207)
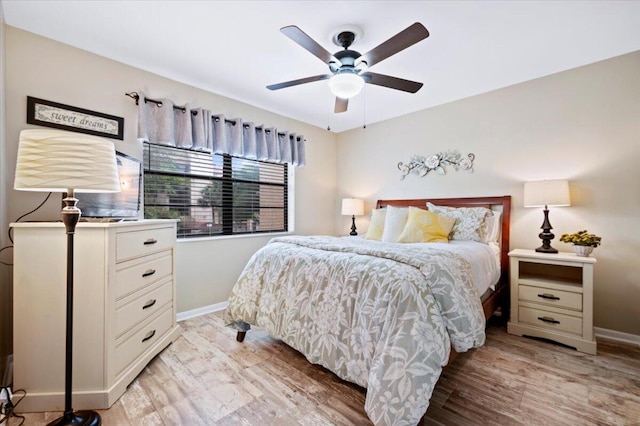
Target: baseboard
(181,316)
(618,336)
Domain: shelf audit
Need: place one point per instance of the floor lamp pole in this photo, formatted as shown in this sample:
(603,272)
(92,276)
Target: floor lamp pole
(70,218)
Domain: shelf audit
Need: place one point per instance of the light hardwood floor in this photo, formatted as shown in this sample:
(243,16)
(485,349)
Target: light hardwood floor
(207,378)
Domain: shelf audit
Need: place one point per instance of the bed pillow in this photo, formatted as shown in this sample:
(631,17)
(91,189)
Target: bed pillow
(470,221)
(494,226)
(376,226)
(426,227)
(394,222)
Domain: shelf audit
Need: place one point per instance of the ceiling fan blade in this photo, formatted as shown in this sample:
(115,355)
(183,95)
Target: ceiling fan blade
(298,81)
(341,105)
(392,82)
(395,44)
(300,37)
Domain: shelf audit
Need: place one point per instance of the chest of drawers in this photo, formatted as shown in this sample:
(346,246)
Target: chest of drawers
(552,297)
(124,308)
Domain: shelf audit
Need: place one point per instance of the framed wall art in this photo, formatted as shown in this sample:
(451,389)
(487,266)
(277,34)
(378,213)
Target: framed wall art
(66,117)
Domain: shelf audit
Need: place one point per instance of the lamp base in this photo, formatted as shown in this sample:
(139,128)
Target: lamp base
(78,418)
(543,249)
(546,235)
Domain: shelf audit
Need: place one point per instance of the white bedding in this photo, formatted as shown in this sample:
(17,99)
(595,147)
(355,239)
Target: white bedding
(483,258)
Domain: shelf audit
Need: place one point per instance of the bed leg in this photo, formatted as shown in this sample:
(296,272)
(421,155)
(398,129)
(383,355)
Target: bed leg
(240,336)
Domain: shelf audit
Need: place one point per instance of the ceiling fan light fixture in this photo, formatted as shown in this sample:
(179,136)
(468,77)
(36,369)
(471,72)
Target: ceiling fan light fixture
(346,84)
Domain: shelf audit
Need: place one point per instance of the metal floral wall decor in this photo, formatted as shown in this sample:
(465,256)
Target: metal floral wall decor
(420,165)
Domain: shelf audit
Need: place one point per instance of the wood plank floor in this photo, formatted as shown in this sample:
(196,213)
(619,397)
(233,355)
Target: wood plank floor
(207,378)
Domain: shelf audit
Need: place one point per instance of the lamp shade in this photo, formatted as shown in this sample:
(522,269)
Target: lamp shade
(547,193)
(55,161)
(346,84)
(352,207)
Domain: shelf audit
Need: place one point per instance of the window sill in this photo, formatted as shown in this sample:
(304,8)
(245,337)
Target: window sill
(233,237)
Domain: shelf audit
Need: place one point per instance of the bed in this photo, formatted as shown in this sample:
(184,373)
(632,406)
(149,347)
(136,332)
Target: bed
(385,316)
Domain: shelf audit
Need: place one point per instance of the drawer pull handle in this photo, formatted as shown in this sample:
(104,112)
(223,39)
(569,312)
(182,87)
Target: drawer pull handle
(547,319)
(548,296)
(150,241)
(149,304)
(149,335)
(148,273)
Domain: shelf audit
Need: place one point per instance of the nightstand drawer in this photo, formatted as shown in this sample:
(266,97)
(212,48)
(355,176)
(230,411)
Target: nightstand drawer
(550,320)
(550,297)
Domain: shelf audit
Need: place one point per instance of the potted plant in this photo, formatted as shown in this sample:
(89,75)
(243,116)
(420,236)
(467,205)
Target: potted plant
(583,242)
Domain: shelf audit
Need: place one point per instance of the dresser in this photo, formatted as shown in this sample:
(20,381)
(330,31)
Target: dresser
(124,308)
(552,297)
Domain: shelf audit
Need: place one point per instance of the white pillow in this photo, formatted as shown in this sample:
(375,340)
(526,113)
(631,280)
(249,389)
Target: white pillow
(494,226)
(394,222)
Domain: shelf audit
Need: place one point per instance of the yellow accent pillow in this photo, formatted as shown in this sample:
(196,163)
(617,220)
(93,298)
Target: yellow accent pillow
(424,226)
(376,226)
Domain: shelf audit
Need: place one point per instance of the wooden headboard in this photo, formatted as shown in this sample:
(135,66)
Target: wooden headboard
(502,204)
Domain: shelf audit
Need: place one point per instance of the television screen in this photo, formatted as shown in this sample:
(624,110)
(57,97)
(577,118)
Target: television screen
(116,205)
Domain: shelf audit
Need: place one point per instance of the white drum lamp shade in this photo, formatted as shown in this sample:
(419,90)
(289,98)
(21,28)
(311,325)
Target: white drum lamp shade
(547,193)
(352,207)
(56,161)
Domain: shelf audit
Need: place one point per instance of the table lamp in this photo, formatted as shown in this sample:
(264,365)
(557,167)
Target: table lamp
(57,161)
(546,193)
(352,207)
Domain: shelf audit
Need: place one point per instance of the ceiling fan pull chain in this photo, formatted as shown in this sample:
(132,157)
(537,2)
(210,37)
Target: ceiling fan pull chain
(364,109)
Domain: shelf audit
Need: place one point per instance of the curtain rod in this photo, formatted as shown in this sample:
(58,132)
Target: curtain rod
(136,97)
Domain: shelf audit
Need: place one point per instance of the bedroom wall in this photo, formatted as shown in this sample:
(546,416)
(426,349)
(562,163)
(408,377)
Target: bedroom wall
(206,269)
(582,124)
(5,287)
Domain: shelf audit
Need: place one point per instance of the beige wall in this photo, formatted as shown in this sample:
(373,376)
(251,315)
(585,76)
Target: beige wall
(206,270)
(582,124)
(5,270)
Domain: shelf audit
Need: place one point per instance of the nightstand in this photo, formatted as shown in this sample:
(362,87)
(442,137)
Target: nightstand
(552,297)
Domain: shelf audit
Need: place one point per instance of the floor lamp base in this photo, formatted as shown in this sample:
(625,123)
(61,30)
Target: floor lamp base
(78,418)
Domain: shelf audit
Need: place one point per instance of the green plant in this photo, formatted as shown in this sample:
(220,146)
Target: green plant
(581,238)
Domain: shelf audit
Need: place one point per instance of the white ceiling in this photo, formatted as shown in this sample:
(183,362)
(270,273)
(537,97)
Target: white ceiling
(235,49)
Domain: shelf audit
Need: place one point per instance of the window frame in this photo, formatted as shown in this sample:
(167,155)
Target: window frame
(227,182)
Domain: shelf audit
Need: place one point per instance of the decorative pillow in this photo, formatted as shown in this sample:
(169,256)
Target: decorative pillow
(394,222)
(376,226)
(426,227)
(469,221)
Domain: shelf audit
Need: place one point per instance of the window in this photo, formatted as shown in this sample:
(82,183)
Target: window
(214,194)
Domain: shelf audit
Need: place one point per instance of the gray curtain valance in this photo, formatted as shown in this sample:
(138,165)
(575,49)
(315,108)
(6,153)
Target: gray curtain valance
(161,122)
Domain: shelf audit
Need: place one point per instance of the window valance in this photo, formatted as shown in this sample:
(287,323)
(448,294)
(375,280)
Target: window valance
(160,121)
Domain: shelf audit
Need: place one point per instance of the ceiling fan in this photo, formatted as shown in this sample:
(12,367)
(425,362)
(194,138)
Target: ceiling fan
(348,67)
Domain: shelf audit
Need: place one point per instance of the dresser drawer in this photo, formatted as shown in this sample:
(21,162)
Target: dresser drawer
(140,341)
(136,311)
(550,297)
(550,320)
(136,274)
(139,243)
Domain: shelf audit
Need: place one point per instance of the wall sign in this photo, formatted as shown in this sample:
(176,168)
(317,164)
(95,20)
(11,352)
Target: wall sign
(66,117)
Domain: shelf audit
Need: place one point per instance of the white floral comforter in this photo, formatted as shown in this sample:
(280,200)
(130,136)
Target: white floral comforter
(382,316)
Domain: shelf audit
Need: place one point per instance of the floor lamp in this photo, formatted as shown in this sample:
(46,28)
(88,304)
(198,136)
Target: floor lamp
(57,161)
